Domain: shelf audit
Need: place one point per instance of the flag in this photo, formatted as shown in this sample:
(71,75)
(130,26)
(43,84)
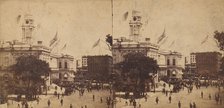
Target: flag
(125,16)
(163,41)
(161,37)
(55,39)
(206,38)
(96,43)
(172,43)
(64,47)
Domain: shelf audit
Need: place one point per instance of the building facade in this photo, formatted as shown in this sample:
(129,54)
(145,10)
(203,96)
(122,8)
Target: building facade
(98,67)
(11,50)
(203,63)
(208,63)
(168,61)
(170,65)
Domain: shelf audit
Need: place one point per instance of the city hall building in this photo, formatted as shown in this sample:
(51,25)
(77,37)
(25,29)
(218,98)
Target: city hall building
(61,65)
(169,61)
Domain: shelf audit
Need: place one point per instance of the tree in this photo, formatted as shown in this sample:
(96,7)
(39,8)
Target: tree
(219,36)
(109,39)
(136,68)
(222,66)
(29,71)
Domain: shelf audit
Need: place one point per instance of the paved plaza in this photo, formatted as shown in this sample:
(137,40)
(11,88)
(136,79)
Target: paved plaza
(183,96)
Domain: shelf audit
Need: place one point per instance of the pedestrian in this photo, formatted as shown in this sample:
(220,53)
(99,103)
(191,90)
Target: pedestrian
(134,104)
(37,100)
(71,106)
(201,94)
(101,99)
(61,102)
(157,100)
(145,98)
(166,93)
(18,106)
(217,99)
(126,102)
(48,103)
(58,95)
(93,97)
(209,96)
(139,105)
(85,106)
(26,105)
(108,103)
(179,104)
(191,106)
(194,105)
(170,99)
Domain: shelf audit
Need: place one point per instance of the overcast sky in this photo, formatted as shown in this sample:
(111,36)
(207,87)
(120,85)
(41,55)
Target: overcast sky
(80,23)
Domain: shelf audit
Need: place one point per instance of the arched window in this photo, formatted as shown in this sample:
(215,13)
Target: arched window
(174,62)
(60,65)
(168,61)
(66,65)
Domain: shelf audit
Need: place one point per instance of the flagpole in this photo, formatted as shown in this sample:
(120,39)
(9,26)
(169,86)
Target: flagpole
(112,14)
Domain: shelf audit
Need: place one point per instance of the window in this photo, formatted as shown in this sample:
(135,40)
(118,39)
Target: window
(60,65)
(66,65)
(174,62)
(168,61)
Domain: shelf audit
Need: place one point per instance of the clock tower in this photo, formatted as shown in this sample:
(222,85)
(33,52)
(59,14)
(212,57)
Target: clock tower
(27,29)
(135,26)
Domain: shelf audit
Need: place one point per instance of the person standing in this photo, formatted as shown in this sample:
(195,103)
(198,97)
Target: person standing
(209,96)
(157,100)
(194,105)
(170,99)
(93,97)
(18,106)
(134,104)
(179,104)
(48,103)
(201,94)
(27,106)
(61,102)
(101,99)
(58,95)
(71,106)
(191,106)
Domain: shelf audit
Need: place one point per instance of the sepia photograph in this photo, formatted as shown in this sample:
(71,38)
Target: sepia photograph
(111,53)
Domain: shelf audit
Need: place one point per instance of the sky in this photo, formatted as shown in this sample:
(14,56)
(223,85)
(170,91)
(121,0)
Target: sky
(80,23)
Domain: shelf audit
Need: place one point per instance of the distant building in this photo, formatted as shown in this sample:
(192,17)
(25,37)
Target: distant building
(65,70)
(203,63)
(171,65)
(208,63)
(98,67)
